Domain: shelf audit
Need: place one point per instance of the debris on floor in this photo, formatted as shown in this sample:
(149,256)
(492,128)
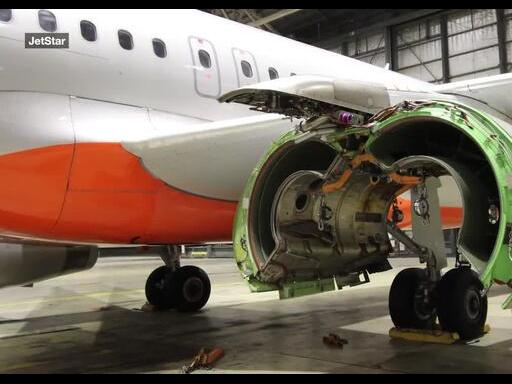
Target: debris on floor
(334,340)
(204,359)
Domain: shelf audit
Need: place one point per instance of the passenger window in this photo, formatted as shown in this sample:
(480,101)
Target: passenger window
(125,39)
(293,74)
(88,30)
(272,73)
(5,15)
(246,68)
(47,21)
(159,48)
(204,58)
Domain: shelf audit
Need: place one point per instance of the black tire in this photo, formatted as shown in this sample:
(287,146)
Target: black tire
(158,288)
(191,288)
(461,308)
(405,305)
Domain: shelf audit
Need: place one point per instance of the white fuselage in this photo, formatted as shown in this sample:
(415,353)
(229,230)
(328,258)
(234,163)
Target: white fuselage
(102,70)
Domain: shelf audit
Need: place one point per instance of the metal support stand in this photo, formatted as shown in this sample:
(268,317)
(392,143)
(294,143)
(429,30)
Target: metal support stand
(427,230)
(425,254)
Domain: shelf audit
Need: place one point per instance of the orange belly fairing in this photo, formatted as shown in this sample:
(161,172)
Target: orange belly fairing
(102,193)
(33,187)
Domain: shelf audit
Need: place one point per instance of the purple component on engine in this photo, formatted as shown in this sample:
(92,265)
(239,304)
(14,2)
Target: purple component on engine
(345,117)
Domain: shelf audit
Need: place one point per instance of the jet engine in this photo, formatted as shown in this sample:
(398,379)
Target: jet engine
(319,207)
(318,210)
(22,264)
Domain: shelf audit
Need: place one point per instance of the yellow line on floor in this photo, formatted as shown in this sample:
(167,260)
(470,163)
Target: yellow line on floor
(93,295)
(69,298)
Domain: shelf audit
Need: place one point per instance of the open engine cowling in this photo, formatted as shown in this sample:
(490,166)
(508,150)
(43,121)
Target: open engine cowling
(316,210)
(22,264)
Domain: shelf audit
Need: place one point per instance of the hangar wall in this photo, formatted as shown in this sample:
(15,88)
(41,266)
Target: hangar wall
(447,46)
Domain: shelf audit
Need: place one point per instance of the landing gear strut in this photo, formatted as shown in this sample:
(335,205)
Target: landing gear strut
(418,296)
(185,288)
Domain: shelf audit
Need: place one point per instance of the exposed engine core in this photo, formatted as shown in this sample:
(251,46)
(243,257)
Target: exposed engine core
(314,229)
(321,204)
(25,263)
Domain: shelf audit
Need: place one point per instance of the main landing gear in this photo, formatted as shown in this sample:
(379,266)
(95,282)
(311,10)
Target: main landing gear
(458,300)
(462,304)
(186,288)
(418,296)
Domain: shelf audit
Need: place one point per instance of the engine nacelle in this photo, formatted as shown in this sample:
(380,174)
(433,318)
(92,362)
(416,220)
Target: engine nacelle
(22,264)
(316,210)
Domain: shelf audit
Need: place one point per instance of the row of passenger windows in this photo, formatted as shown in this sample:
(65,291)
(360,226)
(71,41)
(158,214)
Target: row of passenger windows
(48,22)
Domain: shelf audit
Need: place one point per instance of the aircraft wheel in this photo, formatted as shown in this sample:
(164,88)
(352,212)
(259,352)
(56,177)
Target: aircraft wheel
(407,305)
(191,288)
(461,306)
(158,288)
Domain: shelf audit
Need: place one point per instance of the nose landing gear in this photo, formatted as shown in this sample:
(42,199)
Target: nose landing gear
(187,288)
(158,288)
(190,288)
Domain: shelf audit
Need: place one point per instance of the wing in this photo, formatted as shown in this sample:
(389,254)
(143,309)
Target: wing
(305,95)
(494,91)
(210,159)
(301,96)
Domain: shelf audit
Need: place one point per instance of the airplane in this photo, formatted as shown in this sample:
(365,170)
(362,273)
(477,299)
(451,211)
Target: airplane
(165,127)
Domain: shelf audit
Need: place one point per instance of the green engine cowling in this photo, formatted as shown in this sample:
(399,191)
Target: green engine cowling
(290,244)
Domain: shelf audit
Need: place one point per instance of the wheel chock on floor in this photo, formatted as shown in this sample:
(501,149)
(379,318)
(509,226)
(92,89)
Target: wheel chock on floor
(436,336)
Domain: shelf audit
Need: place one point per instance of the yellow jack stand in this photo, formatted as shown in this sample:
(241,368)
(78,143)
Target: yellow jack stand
(436,336)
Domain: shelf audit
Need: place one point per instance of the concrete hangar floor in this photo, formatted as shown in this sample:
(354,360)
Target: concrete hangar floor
(91,322)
